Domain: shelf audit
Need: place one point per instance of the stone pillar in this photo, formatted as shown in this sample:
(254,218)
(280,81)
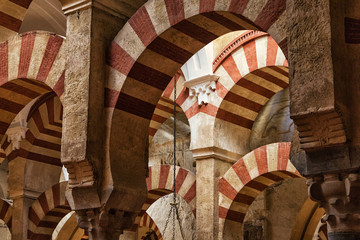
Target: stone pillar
(22,198)
(211,164)
(323,87)
(91,26)
(20,217)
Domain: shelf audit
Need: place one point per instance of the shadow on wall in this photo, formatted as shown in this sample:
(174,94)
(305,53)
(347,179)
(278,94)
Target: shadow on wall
(273,124)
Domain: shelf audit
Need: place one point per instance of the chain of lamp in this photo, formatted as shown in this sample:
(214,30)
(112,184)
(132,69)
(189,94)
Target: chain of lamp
(174,211)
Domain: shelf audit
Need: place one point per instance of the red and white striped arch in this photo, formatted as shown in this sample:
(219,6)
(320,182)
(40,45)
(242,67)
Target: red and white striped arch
(156,41)
(147,221)
(165,106)
(32,64)
(47,211)
(250,175)
(160,183)
(42,141)
(171,32)
(6,213)
(249,76)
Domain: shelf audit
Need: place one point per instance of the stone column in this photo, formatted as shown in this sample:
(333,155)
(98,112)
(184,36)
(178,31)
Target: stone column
(22,197)
(211,164)
(20,217)
(91,26)
(323,87)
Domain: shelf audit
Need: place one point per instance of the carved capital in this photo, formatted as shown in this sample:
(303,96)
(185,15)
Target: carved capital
(102,223)
(339,195)
(202,87)
(15,135)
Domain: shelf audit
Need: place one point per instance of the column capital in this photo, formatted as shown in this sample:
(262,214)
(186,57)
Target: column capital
(339,195)
(102,223)
(202,87)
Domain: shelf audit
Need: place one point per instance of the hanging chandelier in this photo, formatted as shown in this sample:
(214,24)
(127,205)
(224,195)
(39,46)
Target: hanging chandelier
(174,209)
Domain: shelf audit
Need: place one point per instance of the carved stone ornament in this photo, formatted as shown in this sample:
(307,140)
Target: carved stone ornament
(15,135)
(202,87)
(339,195)
(320,129)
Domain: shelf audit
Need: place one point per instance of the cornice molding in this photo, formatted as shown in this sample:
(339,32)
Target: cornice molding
(215,152)
(111,7)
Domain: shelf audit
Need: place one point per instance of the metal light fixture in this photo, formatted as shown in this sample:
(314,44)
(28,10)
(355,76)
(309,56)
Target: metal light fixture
(174,211)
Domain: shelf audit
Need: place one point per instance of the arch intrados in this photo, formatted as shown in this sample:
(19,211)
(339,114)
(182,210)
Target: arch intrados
(251,92)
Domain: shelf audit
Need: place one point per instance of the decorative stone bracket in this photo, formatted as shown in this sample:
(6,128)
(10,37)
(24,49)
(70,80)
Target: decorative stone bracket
(339,195)
(320,129)
(101,223)
(202,87)
(15,135)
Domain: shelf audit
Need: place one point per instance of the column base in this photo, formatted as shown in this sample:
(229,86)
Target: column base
(343,236)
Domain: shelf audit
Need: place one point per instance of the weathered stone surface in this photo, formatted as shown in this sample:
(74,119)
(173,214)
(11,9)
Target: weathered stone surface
(316,80)
(208,172)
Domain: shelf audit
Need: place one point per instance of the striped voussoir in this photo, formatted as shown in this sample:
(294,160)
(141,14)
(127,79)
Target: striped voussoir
(165,106)
(42,141)
(250,76)
(46,212)
(6,212)
(32,64)
(147,221)
(165,34)
(160,183)
(249,176)
(12,13)
(251,72)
